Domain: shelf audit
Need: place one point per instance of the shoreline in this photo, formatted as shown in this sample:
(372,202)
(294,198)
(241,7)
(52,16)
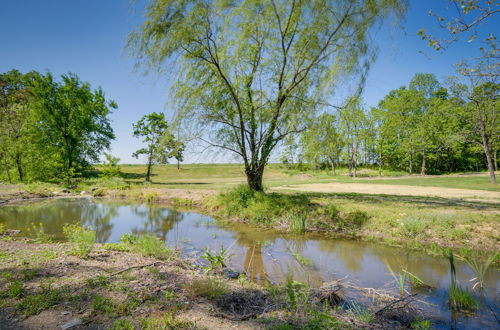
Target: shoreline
(46,284)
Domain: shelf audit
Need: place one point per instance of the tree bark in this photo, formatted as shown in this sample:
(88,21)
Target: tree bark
(19,168)
(148,173)
(422,170)
(178,165)
(410,169)
(495,163)
(254,178)
(489,159)
(7,170)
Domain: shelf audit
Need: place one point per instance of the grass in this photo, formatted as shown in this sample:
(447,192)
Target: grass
(166,322)
(104,305)
(83,238)
(223,176)
(35,303)
(210,288)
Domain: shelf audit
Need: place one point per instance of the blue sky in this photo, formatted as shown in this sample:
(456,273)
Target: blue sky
(87,37)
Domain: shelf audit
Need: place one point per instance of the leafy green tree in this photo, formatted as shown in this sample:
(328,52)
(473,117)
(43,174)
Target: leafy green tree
(352,123)
(70,123)
(111,167)
(153,129)
(15,143)
(322,143)
(479,109)
(252,71)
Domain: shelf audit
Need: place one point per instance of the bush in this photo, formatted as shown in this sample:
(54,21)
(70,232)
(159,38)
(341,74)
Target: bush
(354,219)
(84,238)
(111,168)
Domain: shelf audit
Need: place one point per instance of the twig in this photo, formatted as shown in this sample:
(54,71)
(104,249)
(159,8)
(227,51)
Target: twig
(137,266)
(393,303)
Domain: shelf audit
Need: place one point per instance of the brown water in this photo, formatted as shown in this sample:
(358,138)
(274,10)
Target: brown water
(266,255)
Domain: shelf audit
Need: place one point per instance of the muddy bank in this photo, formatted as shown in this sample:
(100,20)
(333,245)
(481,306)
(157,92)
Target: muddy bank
(43,286)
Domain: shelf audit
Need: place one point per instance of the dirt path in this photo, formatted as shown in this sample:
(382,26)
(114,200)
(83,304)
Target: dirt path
(402,190)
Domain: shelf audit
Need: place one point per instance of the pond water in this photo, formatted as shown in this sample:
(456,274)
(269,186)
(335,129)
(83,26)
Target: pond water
(266,255)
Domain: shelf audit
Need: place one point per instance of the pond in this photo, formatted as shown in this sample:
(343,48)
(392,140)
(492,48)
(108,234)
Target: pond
(267,255)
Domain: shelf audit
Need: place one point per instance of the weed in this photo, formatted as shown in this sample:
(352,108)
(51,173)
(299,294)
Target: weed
(421,325)
(296,293)
(460,299)
(150,197)
(149,245)
(297,222)
(209,288)
(301,259)
(361,313)
(216,259)
(412,227)
(116,247)
(15,289)
(415,281)
(35,303)
(128,238)
(84,239)
(39,234)
(166,322)
(2,228)
(354,220)
(169,294)
(122,324)
(128,306)
(104,305)
(101,281)
(179,201)
(323,320)
(479,265)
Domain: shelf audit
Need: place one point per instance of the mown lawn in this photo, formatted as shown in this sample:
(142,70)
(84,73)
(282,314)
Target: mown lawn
(221,176)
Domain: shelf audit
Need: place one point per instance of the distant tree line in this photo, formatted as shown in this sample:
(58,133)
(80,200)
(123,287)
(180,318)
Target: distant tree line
(421,128)
(50,129)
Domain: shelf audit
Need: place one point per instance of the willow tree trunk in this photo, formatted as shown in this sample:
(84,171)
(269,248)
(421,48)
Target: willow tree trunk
(254,178)
(410,169)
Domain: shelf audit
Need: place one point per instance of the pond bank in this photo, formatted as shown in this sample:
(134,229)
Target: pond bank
(420,223)
(45,286)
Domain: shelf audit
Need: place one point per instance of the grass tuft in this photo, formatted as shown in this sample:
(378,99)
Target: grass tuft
(84,238)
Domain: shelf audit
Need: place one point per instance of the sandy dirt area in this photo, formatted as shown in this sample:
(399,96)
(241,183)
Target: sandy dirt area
(402,190)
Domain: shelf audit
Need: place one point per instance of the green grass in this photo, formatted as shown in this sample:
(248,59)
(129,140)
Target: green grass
(209,288)
(33,304)
(222,176)
(83,239)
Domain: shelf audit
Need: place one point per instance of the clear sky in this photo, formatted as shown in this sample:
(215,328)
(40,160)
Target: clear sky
(87,37)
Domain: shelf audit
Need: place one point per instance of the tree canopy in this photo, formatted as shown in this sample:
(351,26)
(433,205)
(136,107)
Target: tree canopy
(252,71)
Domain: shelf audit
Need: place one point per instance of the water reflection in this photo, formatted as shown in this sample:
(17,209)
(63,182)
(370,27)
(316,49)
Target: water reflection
(264,255)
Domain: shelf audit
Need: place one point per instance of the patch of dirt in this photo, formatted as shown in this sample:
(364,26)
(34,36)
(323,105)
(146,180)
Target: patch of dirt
(400,190)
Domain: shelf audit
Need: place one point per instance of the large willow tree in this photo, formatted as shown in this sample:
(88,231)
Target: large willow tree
(252,71)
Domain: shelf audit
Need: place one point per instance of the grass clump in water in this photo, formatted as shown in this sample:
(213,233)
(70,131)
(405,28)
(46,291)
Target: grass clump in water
(83,237)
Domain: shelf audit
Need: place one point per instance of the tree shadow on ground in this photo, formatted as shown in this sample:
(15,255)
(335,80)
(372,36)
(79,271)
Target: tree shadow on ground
(419,200)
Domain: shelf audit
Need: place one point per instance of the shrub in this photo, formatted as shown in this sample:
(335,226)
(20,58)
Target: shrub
(84,238)
(111,168)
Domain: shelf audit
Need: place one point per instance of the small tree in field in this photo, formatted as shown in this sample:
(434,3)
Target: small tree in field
(153,129)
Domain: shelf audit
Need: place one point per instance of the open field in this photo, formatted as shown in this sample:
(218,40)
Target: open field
(222,176)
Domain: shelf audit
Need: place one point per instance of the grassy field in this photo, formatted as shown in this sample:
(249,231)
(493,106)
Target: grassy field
(222,176)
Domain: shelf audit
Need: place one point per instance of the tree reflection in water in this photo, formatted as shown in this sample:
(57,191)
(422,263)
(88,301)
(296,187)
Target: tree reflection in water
(156,220)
